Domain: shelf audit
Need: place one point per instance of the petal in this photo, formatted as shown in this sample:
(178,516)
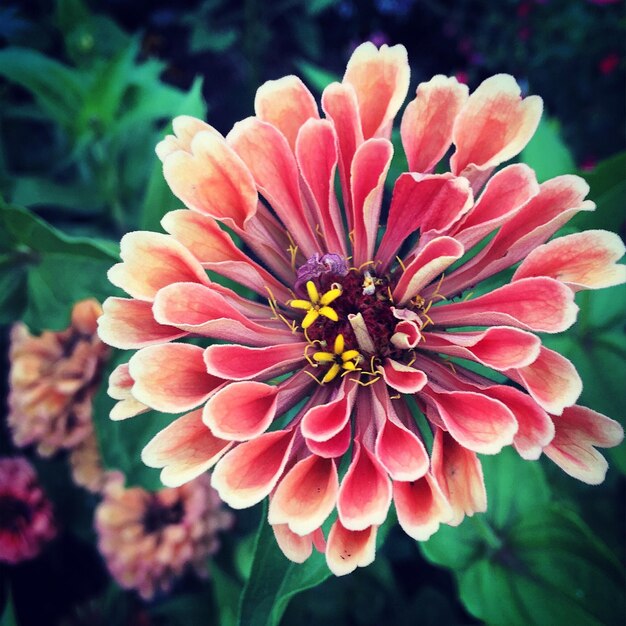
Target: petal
(381,80)
(216,251)
(498,347)
(152,261)
(428,120)
(120,388)
(335,446)
(203,311)
(295,547)
(504,195)
(584,260)
(367,174)
(365,492)
(287,104)
(494,125)
(249,472)
(421,507)
(402,378)
(316,151)
(340,104)
(306,495)
(536,429)
(539,304)
(233,362)
(477,422)
(433,259)
(171,377)
(241,410)
(212,180)
(431,203)
(267,154)
(184,449)
(130,324)
(578,431)
(460,476)
(185,129)
(349,549)
(552,381)
(407,334)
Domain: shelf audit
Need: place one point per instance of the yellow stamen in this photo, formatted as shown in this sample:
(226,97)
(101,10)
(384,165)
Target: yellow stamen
(331,374)
(331,314)
(311,289)
(300,304)
(350,355)
(310,317)
(340,344)
(324,357)
(330,296)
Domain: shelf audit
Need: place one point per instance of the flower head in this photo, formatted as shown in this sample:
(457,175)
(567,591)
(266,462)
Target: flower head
(360,338)
(149,540)
(26,521)
(53,379)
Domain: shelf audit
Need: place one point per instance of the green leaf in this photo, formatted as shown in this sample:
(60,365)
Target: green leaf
(7,618)
(608,189)
(315,7)
(528,560)
(547,153)
(58,89)
(317,77)
(226,592)
(158,198)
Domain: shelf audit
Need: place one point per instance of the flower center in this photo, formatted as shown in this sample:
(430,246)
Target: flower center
(158,515)
(14,514)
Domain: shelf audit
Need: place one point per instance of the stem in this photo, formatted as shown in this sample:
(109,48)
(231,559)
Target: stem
(487,532)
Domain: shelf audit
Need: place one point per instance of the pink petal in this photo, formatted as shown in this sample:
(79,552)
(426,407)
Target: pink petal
(233,362)
(584,260)
(325,420)
(536,429)
(296,548)
(306,495)
(171,377)
(152,261)
(340,104)
(477,422)
(365,492)
(460,476)
(504,195)
(427,122)
(316,151)
(431,203)
(403,378)
(241,410)
(120,388)
(250,471)
(434,258)
(335,446)
(349,549)
(381,80)
(552,381)
(212,180)
(185,129)
(202,310)
(184,449)
(368,172)
(267,154)
(494,125)
(578,431)
(421,507)
(286,104)
(539,304)
(130,324)
(407,334)
(215,250)
(498,347)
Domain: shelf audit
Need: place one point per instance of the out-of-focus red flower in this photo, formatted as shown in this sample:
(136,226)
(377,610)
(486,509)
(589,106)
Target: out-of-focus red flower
(26,520)
(609,63)
(149,540)
(53,379)
(358,344)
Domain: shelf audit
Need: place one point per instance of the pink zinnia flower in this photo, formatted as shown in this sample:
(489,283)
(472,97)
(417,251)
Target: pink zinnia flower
(53,379)
(26,521)
(341,352)
(149,540)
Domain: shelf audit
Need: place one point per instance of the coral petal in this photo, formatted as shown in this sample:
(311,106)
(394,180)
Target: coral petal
(349,549)
(295,547)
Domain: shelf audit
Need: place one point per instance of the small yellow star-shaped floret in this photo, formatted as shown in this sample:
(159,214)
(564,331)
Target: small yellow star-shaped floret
(340,359)
(317,305)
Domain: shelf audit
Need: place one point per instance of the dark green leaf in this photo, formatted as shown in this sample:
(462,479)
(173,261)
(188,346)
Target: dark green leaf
(226,592)
(58,89)
(7,618)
